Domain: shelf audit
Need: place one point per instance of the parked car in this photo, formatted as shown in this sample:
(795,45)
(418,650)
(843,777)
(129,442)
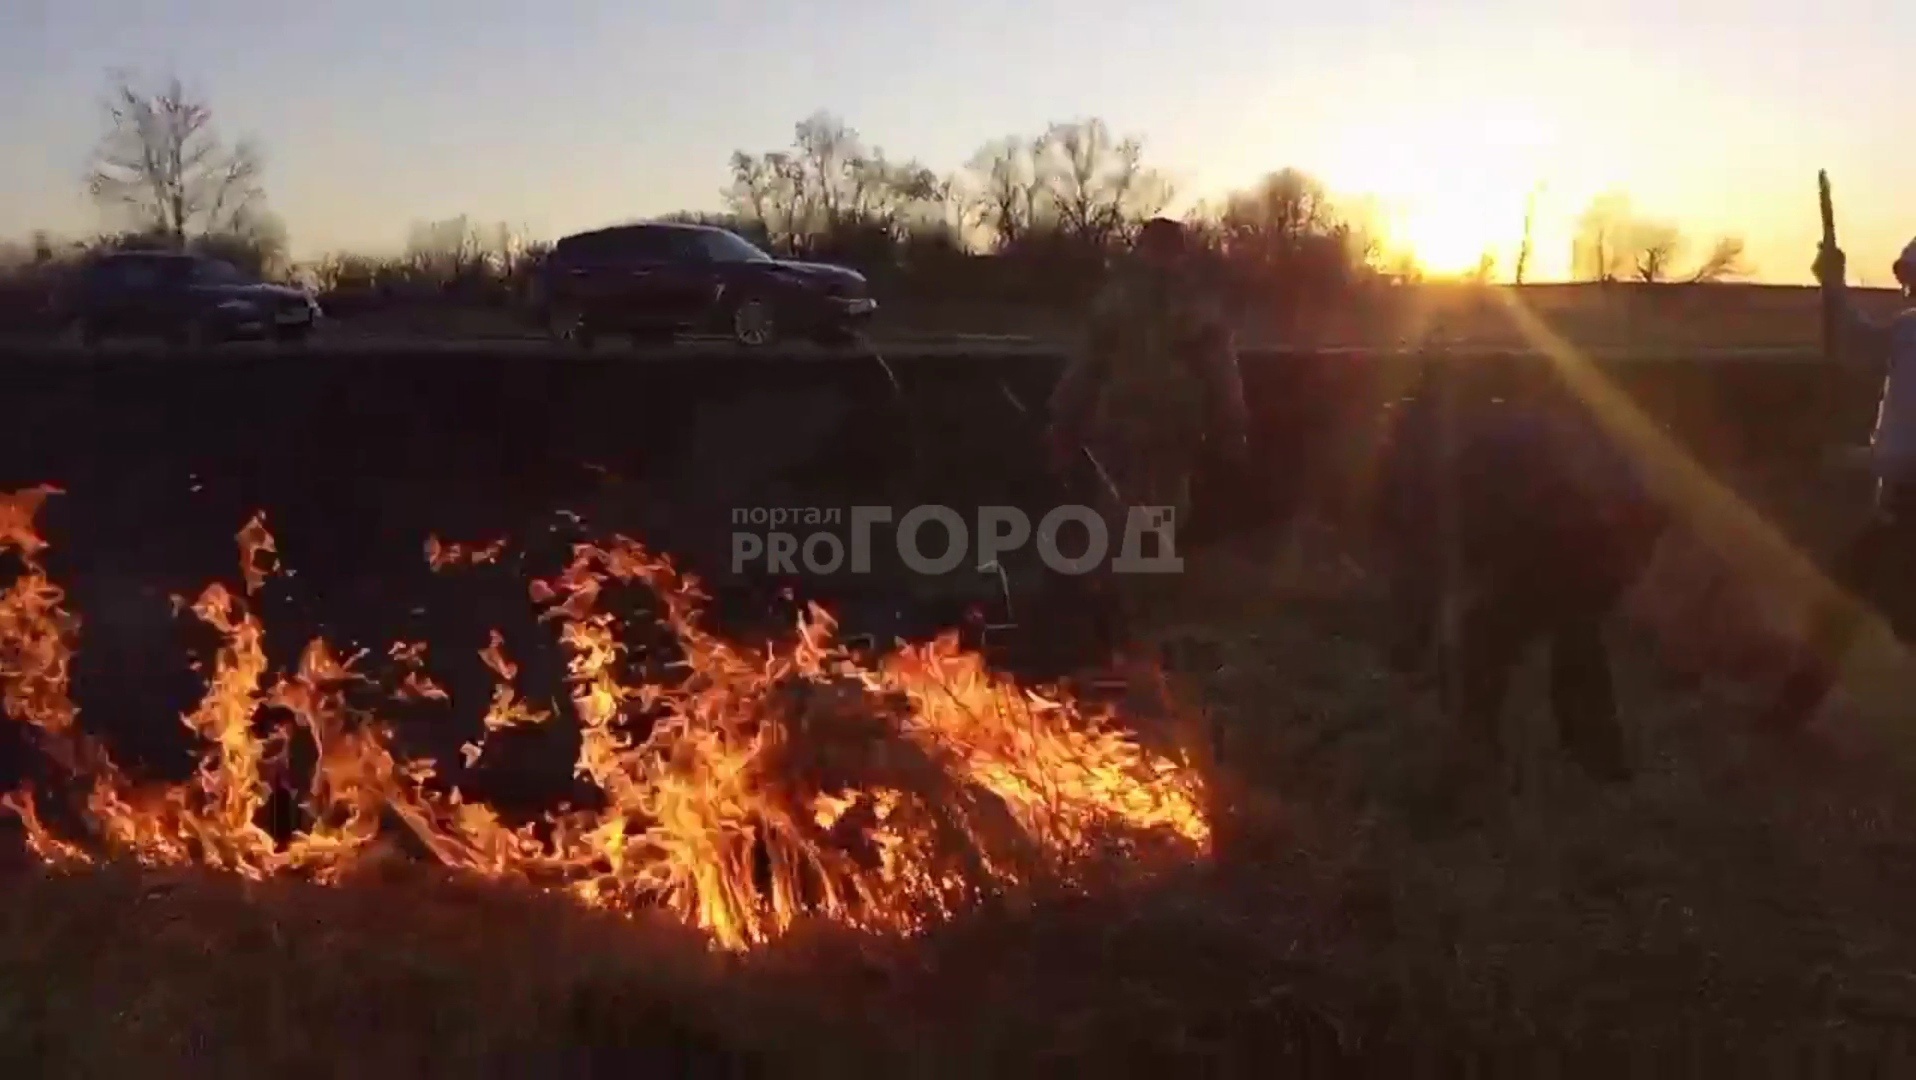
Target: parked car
(655,280)
(184,299)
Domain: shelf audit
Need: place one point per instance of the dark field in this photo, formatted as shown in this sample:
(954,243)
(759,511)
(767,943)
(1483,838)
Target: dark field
(1618,317)
(1742,904)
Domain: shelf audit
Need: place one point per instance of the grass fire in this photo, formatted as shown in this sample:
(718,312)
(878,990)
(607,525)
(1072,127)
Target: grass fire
(775,855)
(741,789)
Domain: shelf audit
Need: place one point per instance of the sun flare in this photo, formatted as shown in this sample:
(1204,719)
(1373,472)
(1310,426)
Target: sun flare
(1448,181)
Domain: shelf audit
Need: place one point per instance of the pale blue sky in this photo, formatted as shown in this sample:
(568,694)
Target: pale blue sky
(562,115)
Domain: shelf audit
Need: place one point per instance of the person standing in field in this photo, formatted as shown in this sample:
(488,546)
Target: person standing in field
(1512,519)
(1878,568)
(1156,382)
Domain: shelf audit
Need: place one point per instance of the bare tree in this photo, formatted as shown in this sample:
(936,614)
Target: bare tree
(162,165)
(1523,248)
(1283,245)
(1284,206)
(767,189)
(771,191)
(1612,239)
(754,181)
(447,250)
(1724,261)
(1097,185)
(955,207)
(1485,270)
(826,148)
(1599,250)
(830,189)
(891,196)
(1654,247)
(1007,189)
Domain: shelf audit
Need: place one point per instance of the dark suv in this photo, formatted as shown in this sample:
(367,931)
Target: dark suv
(657,280)
(185,299)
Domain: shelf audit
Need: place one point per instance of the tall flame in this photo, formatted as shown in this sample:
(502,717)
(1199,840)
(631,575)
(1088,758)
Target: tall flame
(743,788)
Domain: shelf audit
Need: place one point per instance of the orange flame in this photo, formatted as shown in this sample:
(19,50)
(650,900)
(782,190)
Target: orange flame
(441,555)
(506,710)
(746,789)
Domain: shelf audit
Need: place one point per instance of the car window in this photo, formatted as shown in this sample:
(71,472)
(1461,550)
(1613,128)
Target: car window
(656,245)
(215,272)
(133,274)
(600,246)
(689,246)
(583,246)
(722,246)
(175,269)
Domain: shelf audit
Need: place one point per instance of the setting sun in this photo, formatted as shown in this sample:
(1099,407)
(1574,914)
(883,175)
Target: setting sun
(1448,181)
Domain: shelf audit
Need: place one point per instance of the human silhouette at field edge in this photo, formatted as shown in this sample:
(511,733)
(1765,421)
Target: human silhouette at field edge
(1156,383)
(1504,503)
(1878,567)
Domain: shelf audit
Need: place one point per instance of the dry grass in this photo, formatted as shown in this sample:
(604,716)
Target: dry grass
(1741,904)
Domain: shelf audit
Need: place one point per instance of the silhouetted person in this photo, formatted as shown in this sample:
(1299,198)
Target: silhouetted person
(1878,568)
(1155,384)
(1504,501)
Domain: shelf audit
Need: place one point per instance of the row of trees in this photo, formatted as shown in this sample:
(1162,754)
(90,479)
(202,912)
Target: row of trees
(1033,216)
(1079,190)
(1028,217)
(1614,243)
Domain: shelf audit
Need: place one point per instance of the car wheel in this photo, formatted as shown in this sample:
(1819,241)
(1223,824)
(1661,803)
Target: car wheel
(89,335)
(295,334)
(753,323)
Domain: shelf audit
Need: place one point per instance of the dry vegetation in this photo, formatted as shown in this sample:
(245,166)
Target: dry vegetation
(1741,903)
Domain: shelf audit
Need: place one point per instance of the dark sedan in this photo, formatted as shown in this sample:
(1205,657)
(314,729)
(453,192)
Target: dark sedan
(186,300)
(655,280)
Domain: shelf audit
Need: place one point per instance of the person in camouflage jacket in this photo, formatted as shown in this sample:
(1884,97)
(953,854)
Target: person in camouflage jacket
(1156,381)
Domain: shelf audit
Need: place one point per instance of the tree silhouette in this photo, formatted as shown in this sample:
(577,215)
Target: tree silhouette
(1005,190)
(1653,247)
(163,167)
(1098,186)
(1599,248)
(830,193)
(1725,261)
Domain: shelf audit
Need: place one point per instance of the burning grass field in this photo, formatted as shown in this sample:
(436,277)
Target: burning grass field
(803,863)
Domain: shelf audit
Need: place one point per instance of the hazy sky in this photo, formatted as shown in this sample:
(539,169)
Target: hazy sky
(563,115)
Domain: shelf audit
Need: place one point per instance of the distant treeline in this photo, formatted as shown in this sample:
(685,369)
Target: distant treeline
(1026,220)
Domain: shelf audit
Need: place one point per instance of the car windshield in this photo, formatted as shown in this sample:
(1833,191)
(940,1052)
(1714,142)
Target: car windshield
(722,246)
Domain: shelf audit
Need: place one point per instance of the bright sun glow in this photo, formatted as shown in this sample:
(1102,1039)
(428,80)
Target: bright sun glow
(1449,180)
